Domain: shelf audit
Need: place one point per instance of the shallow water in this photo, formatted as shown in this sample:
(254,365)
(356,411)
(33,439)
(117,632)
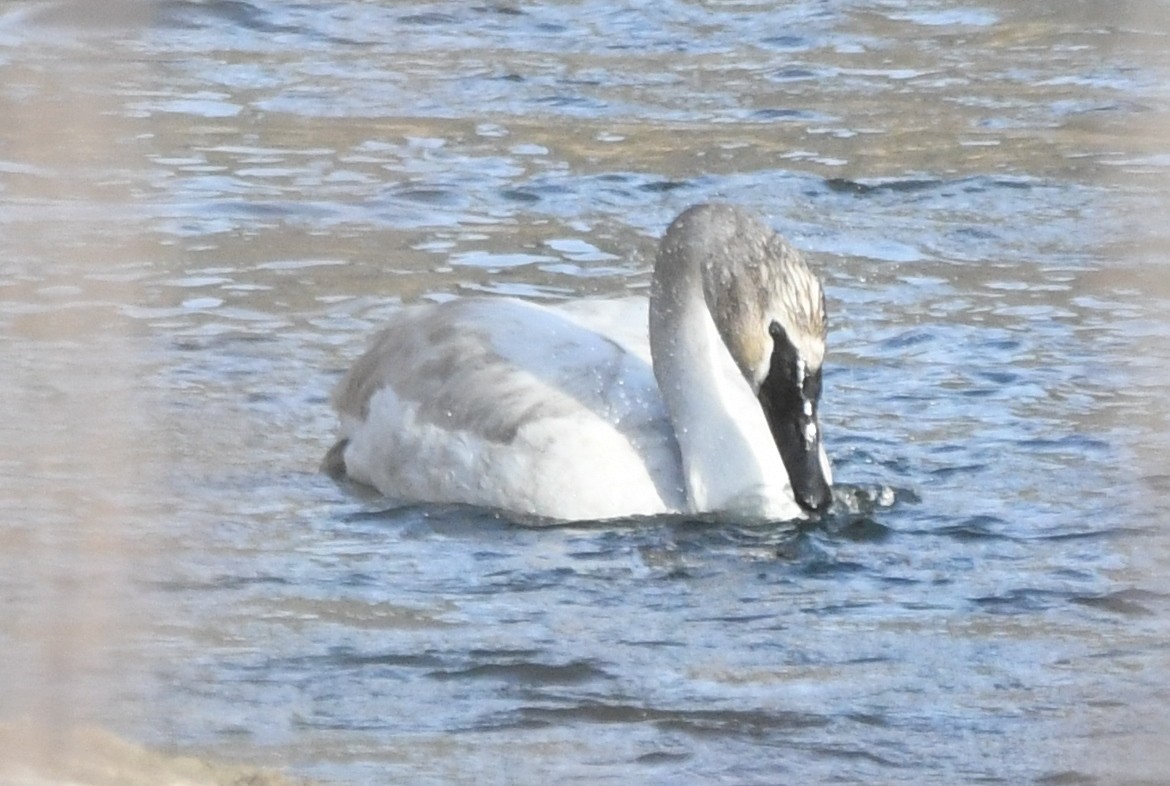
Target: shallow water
(205,208)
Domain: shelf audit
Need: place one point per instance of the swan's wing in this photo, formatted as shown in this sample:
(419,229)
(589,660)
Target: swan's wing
(491,401)
(624,321)
(488,366)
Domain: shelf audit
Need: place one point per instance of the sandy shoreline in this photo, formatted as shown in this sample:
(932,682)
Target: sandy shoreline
(32,755)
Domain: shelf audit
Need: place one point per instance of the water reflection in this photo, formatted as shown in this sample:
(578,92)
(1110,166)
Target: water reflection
(207,207)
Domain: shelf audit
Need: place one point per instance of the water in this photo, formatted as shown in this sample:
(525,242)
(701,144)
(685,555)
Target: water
(205,208)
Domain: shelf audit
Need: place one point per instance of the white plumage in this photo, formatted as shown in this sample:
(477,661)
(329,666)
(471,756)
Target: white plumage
(560,411)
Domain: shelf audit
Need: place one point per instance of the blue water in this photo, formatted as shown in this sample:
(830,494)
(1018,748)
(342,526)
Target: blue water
(979,186)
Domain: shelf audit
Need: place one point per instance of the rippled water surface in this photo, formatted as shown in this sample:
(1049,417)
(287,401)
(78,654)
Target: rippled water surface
(205,208)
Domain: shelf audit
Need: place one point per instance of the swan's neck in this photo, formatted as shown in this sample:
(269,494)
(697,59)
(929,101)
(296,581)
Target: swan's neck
(730,461)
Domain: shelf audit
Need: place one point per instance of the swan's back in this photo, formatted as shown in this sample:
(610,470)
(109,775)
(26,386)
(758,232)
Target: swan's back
(504,403)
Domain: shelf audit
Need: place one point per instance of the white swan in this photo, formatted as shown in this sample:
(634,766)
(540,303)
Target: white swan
(560,412)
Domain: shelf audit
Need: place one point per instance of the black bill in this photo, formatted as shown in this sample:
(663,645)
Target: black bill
(789,397)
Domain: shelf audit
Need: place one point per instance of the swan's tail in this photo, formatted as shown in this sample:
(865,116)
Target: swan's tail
(333,464)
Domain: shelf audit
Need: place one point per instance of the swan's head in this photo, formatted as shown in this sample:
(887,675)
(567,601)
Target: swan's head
(769,310)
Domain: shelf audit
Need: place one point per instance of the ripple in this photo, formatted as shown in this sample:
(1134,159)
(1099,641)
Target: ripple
(1127,602)
(702,723)
(526,673)
(236,13)
(1023,601)
(893,185)
(429,19)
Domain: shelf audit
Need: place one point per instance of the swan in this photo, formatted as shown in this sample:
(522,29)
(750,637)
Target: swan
(574,412)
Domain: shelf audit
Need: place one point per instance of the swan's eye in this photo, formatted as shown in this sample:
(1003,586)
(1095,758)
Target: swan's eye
(775,331)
